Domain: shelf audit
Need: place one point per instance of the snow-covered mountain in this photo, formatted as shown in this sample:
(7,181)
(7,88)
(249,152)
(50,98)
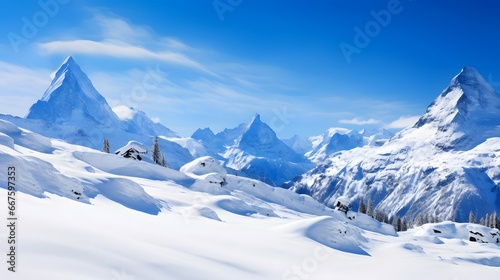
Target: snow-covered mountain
(299,144)
(72,99)
(446,165)
(340,139)
(255,151)
(71,109)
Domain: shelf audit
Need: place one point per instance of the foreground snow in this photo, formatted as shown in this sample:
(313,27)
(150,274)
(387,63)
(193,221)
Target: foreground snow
(84,214)
(64,239)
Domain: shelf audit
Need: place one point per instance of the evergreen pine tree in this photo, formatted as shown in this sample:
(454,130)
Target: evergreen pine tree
(369,208)
(492,220)
(404,224)
(472,217)
(487,220)
(105,145)
(481,221)
(362,206)
(156,153)
(396,223)
(495,221)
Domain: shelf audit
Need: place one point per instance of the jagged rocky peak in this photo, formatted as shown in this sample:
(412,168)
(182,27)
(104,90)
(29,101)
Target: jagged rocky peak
(467,100)
(257,133)
(72,99)
(203,134)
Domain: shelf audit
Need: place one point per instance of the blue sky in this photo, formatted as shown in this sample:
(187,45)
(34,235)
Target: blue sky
(207,63)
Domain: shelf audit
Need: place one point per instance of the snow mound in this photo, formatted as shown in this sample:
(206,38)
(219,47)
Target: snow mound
(5,140)
(125,192)
(24,138)
(203,166)
(120,166)
(331,232)
(464,231)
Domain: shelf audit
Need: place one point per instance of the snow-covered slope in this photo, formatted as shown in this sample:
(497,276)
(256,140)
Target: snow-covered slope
(71,109)
(445,166)
(84,214)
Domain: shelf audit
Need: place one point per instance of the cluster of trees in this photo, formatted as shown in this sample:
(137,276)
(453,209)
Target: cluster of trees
(491,220)
(157,155)
(402,224)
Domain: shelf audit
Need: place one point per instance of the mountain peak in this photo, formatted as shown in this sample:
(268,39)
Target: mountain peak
(465,113)
(469,77)
(71,98)
(256,119)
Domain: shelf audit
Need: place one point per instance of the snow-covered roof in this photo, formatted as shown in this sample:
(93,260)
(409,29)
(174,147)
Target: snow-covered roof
(202,166)
(139,147)
(344,200)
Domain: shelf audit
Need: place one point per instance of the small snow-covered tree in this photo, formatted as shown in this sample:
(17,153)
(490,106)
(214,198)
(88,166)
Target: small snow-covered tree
(404,224)
(487,220)
(105,145)
(472,217)
(396,223)
(492,222)
(497,220)
(157,155)
(370,211)
(362,206)
(481,221)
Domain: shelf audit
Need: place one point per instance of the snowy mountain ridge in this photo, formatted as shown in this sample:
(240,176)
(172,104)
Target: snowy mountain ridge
(337,139)
(255,151)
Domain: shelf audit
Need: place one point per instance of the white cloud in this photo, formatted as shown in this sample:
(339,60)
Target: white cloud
(116,37)
(403,122)
(112,26)
(118,49)
(358,121)
(124,112)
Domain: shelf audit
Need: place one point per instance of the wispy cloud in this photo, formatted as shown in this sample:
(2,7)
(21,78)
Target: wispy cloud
(403,122)
(359,121)
(118,49)
(121,39)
